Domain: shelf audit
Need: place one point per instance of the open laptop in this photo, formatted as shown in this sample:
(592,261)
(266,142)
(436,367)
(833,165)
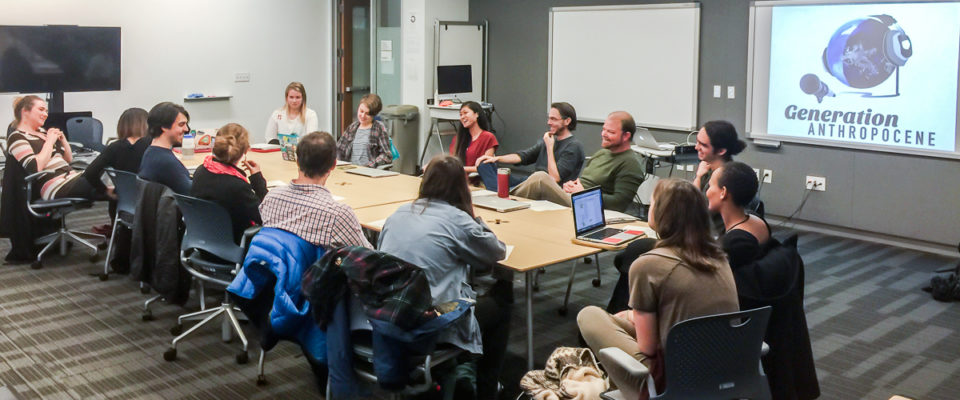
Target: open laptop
(590,223)
(371,172)
(498,204)
(644,138)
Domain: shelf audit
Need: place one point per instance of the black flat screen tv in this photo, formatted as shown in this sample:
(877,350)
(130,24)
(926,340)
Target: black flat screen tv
(59,58)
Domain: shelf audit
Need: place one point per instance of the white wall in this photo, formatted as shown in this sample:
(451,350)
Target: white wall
(418,68)
(175,47)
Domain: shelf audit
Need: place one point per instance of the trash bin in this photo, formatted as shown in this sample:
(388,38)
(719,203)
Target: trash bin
(400,121)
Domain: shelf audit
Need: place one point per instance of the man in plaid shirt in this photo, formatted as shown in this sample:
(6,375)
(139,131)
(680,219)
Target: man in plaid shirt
(305,207)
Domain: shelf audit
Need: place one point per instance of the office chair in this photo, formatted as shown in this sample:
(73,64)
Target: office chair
(57,209)
(85,133)
(211,257)
(711,357)
(125,186)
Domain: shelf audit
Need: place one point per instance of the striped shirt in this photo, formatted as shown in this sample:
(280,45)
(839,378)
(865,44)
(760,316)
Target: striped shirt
(310,212)
(24,147)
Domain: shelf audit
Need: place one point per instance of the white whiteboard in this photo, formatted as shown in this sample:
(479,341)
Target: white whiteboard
(642,59)
(461,44)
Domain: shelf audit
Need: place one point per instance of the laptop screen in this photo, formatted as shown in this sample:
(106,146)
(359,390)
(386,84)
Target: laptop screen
(587,210)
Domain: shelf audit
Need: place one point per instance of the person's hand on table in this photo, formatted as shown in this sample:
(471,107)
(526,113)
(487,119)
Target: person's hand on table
(485,159)
(573,186)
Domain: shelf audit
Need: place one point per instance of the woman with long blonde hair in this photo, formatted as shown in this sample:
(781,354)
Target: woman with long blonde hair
(294,117)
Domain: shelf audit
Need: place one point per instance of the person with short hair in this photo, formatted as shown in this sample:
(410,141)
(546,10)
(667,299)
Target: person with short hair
(37,149)
(294,117)
(473,139)
(614,168)
(305,207)
(166,122)
(365,142)
(559,153)
(442,218)
(222,178)
(685,276)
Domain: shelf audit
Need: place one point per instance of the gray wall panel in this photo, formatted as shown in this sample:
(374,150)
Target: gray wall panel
(890,194)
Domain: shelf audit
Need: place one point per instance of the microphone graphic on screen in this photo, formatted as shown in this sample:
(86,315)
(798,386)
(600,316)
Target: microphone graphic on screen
(811,84)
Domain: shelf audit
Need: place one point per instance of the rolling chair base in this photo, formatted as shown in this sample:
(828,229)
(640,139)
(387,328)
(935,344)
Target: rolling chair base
(63,236)
(229,324)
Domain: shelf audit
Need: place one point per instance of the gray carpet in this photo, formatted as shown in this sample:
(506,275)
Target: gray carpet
(65,334)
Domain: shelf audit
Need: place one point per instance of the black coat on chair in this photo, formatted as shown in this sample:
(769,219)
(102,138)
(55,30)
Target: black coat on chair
(776,279)
(16,222)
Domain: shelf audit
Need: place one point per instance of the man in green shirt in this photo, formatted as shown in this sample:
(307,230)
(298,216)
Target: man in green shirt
(615,168)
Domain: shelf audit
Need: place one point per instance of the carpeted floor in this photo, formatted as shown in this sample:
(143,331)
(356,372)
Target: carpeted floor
(65,334)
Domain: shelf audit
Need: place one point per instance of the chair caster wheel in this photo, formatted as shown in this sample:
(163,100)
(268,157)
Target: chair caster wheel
(587,260)
(170,354)
(562,311)
(103,246)
(536,288)
(147,316)
(103,277)
(243,358)
(596,282)
(261,380)
(94,258)
(176,330)
(36,265)
(145,290)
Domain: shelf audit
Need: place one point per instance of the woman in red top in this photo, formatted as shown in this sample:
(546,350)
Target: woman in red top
(473,137)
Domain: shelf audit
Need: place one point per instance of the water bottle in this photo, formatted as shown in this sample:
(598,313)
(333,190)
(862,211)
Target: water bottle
(188,144)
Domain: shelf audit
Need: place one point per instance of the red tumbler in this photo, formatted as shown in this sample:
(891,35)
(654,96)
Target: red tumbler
(503,182)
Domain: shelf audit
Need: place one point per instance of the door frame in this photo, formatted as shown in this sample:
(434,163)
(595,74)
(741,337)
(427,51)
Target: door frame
(339,94)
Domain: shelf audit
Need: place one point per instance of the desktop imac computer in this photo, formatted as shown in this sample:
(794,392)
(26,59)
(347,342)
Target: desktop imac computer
(454,82)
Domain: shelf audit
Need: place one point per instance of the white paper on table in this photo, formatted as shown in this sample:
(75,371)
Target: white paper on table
(482,192)
(509,250)
(273,184)
(341,162)
(378,224)
(647,230)
(544,205)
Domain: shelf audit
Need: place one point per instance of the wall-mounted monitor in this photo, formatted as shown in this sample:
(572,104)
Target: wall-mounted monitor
(35,59)
(453,80)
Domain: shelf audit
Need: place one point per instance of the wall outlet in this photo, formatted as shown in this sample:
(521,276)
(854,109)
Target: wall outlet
(818,183)
(767,176)
(716,91)
(241,77)
(756,171)
(679,167)
(690,167)
(731,92)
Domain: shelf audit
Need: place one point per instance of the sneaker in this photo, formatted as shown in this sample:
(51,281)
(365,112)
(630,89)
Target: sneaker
(104,230)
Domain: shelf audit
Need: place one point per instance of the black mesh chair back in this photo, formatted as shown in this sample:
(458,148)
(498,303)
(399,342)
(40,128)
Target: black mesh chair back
(209,229)
(87,131)
(125,186)
(717,357)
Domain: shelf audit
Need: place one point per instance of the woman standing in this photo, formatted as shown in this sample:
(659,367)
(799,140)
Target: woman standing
(439,233)
(294,117)
(473,137)
(222,179)
(365,141)
(686,275)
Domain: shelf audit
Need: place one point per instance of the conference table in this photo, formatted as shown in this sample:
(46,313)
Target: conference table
(538,238)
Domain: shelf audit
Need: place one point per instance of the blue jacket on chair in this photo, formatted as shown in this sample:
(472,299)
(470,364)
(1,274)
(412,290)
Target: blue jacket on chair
(280,257)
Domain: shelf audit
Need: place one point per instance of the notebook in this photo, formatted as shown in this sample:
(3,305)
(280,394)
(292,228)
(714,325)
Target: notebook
(590,223)
(371,172)
(499,205)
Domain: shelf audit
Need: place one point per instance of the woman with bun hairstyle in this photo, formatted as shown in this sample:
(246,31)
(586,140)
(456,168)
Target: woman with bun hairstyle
(223,179)
(294,117)
(717,143)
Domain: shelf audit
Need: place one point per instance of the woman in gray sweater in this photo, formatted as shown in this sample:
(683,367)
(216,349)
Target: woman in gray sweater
(440,233)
